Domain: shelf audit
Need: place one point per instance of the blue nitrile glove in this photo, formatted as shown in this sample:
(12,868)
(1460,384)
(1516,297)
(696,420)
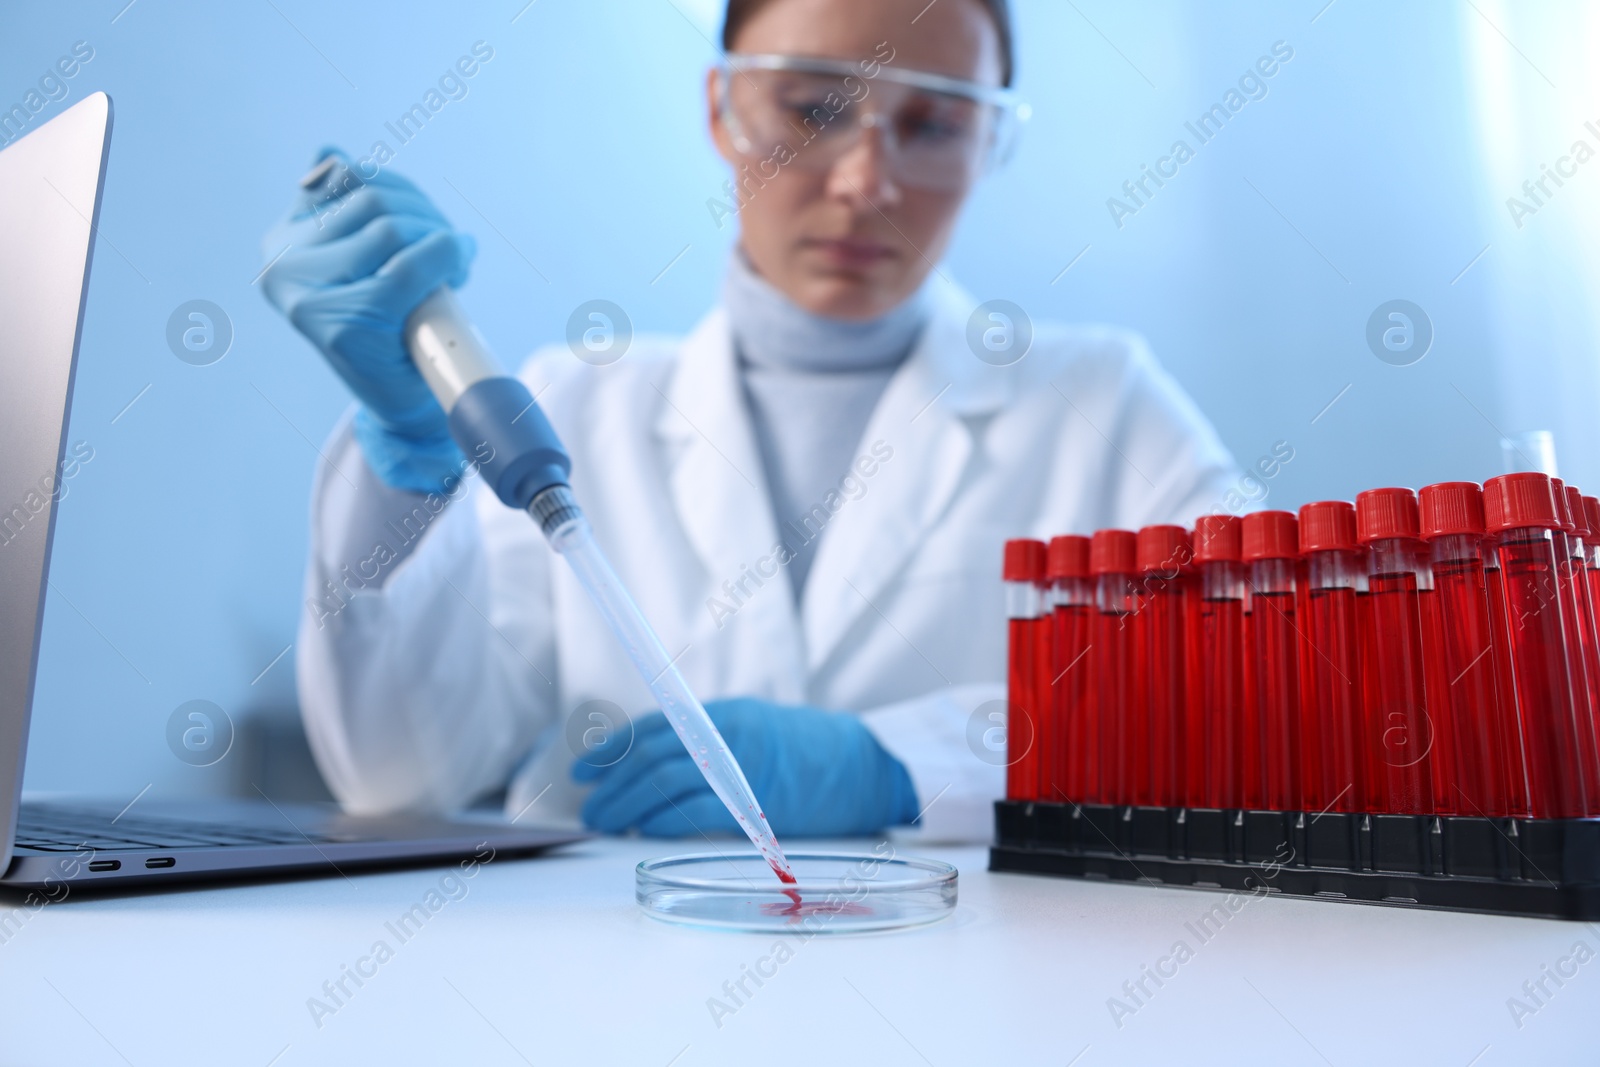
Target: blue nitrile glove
(356,266)
(816,773)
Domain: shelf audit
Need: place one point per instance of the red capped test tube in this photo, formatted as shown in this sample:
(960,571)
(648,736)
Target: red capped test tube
(1331,712)
(1581,630)
(1520,514)
(1072,620)
(1591,513)
(1027,637)
(1113,562)
(1452,523)
(1399,731)
(1166,575)
(1217,718)
(1270,548)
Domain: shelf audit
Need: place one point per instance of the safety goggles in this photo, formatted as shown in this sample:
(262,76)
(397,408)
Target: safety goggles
(936,132)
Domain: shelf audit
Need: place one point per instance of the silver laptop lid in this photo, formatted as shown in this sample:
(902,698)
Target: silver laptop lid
(50,184)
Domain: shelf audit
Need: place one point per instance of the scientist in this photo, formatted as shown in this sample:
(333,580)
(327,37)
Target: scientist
(807,495)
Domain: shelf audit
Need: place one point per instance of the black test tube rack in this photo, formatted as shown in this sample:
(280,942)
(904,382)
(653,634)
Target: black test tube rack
(1545,868)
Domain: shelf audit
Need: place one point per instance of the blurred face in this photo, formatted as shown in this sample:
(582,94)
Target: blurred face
(850,241)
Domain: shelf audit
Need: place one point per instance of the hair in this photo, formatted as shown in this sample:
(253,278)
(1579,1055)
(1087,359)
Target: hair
(740,12)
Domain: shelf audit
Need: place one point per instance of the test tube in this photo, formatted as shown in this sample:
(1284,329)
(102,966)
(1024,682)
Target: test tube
(1592,557)
(1520,515)
(1591,577)
(1581,653)
(1215,738)
(1400,733)
(1067,568)
(1270,548)
(1451,516)
(1591,547)
(1112,561)
(1513,764)
(1331,711)
(1025,610)
(1165,559)
(1440,764)
(1576,672)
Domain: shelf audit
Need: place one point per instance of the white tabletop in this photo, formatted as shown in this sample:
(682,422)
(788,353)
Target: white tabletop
(549,961)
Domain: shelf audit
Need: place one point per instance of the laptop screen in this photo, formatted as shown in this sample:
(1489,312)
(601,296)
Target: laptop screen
(50,184)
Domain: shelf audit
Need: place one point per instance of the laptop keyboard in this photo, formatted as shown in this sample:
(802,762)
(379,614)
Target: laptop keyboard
(52,829)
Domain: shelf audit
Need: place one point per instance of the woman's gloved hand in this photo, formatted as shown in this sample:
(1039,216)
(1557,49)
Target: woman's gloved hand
(355,268)
(816,773)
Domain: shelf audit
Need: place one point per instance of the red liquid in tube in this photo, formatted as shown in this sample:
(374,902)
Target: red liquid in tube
(1048,742)
(1250,787)
(1272,738)
(1165,557)
(1400,731)
(1331,710)
(1591,562)
(1513,767)
(1112,556)
(1192,759)
(1441,761)
(1591,512)
(1452,523)
(1520,513)
(1024,578)
(1072,619)
(1580,630)
(1216,726)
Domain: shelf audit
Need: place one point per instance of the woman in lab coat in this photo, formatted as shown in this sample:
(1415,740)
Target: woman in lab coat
(807,495)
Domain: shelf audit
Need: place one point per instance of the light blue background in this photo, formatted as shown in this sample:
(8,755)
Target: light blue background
(1377,167)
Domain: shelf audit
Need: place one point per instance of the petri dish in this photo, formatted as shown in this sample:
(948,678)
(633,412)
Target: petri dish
(834,892)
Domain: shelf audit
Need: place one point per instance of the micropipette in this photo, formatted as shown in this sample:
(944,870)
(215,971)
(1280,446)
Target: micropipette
(528,470)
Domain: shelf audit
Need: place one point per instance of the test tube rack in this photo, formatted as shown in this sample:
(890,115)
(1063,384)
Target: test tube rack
(1544,868)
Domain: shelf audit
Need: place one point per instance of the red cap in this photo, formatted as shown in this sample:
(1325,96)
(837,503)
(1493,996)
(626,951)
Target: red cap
(1024,561)
(1383,513)
(1162,548)
(1068,557)
(1580,521)
(1451,508)
(1559,487)
(1512,501)
(1113,552)
(1216,539)
(1591,514)
(1327,524)
(1269,535)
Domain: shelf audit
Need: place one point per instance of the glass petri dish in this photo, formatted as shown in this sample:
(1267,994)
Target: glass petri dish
(834,892)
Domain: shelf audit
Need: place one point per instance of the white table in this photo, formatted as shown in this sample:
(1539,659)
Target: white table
(549,961)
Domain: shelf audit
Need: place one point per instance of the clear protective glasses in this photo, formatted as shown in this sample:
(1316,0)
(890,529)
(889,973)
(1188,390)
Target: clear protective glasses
(936,132)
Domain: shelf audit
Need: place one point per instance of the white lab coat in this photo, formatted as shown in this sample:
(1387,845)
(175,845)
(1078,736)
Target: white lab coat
(433,683)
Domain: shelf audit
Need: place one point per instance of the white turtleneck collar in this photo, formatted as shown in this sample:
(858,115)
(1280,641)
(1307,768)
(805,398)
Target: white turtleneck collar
(772,331)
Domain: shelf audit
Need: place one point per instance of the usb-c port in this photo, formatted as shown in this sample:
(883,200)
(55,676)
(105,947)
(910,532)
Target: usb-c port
(104,865)
(160,861)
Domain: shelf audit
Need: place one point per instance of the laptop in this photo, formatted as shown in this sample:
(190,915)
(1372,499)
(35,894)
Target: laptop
(50,184)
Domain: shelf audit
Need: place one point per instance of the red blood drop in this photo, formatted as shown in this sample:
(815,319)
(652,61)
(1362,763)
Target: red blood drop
(787,879)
